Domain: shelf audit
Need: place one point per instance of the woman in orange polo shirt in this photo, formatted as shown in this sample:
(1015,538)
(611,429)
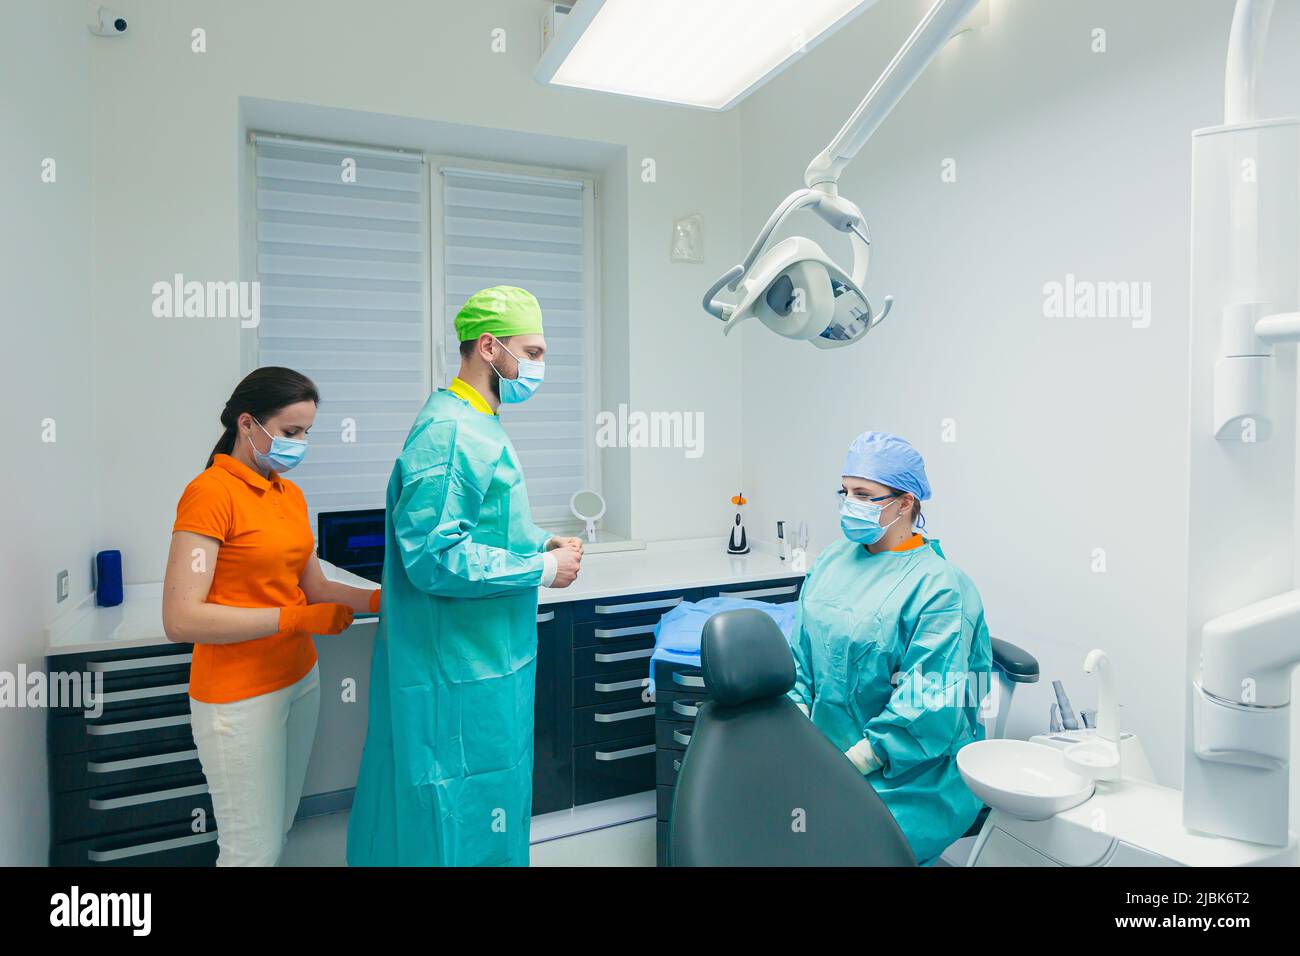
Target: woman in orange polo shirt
(244,587)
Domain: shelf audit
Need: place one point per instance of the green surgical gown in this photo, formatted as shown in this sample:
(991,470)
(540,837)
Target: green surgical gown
(446,773)
(868,622)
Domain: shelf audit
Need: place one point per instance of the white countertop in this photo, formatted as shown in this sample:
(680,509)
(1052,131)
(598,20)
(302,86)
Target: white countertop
(1148,816)
(662,566)
(666,566)
(136,622)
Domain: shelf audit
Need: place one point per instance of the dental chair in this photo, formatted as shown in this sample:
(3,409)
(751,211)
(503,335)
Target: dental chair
(760,785)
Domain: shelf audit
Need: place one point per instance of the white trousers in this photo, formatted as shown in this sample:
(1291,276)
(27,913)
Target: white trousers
(254,753)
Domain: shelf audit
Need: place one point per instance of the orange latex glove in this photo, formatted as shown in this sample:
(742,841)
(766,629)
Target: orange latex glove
(316,618)
(374,600)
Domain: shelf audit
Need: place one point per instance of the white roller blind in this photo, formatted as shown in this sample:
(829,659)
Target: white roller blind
(528,231)
(344,273)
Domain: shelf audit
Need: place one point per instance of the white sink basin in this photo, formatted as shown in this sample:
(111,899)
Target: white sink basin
(1027,780)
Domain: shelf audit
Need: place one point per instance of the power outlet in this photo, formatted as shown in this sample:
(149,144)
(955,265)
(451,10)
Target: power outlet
(61,586)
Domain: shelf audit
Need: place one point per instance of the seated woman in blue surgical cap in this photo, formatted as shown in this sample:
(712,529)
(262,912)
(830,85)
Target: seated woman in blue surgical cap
(891,650)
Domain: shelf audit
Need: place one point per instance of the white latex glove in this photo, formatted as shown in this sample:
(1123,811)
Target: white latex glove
(863,757)
(802,706)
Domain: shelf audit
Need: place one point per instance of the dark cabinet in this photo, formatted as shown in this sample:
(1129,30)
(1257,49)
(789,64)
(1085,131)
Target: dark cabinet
(126,787)
(552,727)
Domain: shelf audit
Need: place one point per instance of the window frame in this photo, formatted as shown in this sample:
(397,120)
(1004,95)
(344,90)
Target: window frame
(439,367)
(442,367)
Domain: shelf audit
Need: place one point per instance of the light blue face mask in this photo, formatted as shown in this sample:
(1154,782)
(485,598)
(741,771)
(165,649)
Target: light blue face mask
(530,378)
(284,454)
(860,521)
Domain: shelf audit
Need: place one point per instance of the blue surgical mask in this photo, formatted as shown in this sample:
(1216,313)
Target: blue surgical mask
(283,455)
(530,377)
(860,521)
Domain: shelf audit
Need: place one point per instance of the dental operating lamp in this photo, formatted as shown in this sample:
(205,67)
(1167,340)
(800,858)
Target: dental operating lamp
(795,288)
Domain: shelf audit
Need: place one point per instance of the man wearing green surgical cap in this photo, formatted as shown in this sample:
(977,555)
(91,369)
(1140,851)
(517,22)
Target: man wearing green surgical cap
(446,774)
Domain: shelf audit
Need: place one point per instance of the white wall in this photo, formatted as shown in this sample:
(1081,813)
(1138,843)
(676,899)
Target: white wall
(168,141)
(49,488)
(1071,433)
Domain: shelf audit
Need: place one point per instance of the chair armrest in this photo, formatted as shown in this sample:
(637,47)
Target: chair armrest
(1015,662)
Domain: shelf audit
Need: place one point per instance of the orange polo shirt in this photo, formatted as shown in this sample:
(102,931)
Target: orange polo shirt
(266,541)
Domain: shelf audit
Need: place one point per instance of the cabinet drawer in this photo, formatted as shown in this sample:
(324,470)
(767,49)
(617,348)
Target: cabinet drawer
(118,766)
(173,844)
(673,734)
(595,633)
(85,813)
(668,764)
(614,769)
(121,726)
(604,659)
(627,607)
(613,721)
(675,706)
(621,685)
(75,692)
(678,678)
(138,660)
(776,591)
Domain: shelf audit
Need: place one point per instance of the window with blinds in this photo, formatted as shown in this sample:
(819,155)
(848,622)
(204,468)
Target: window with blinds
(529,231)
(343,259)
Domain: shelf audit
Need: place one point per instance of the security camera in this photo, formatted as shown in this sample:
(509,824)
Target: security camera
(110,24)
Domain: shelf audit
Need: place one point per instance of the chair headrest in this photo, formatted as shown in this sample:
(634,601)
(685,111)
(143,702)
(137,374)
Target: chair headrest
(744,657)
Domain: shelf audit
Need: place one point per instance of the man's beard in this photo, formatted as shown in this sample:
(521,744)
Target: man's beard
(494,383)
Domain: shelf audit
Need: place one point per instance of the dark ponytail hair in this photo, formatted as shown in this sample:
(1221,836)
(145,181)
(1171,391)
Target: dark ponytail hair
(262,394)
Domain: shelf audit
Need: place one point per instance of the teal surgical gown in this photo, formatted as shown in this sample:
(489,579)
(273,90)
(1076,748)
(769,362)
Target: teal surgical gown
(893,647)
(446,773)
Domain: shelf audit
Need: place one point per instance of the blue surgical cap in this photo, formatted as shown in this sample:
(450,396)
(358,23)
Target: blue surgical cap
(890,460)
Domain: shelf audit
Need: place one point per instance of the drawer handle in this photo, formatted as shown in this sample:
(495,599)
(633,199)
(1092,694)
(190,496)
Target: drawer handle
(687,680)
(140,799)
(681,738)
(141,849)
(143,693)
(623,656)
(619,685)
(544,618)
(610,633)
(625,754)
(130,726)
(686,710)
(637,606)
(133,763)
(624,715)
(761,592)
(138,663)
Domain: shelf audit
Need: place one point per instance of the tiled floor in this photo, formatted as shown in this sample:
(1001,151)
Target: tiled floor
(320,841)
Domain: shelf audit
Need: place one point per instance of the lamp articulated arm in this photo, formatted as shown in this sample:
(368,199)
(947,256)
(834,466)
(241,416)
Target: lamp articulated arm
(821,193)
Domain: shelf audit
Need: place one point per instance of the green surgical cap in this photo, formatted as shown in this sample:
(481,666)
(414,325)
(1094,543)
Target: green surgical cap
(502,310)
